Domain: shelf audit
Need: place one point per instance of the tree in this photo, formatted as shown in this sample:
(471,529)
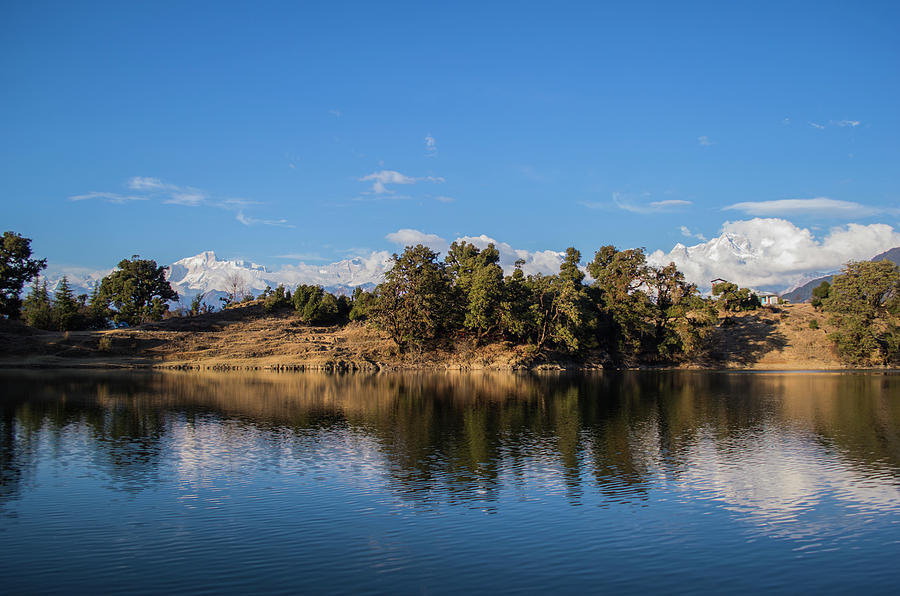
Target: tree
(549,310)
(819,294)
(477,281)
(413,302)
(236,286)
(138,290)
(862,303)
(98,313)
(515,304)
(275,299)
(360,303)
(197,304)
(627,314)
(571,323)
(65,307)
(315,305)
(37,309)
(731,298)
(683,320)
(16,269)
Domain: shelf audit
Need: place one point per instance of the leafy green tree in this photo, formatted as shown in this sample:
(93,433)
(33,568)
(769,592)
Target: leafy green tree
(138,291)
(360,303)
(572,321)
(16,269)
(275,299)
(344,306)
(515,304)
(819,294)
(412,304)
(477,281)
(731,298)
(860,302)
(315,305)
(627,315)
(37,309)
(483,301)
(65,307)
(682,319)
(549,310)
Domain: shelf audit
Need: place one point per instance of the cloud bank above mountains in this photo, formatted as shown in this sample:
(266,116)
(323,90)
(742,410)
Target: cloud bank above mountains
(774,253)
(763,253)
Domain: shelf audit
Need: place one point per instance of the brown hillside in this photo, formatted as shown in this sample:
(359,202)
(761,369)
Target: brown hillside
(247,337)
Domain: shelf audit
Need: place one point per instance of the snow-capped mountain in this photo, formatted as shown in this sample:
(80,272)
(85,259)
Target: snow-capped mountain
(774,254)
(207,274)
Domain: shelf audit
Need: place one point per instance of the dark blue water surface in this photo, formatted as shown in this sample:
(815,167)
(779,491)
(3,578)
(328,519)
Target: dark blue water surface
(443,483)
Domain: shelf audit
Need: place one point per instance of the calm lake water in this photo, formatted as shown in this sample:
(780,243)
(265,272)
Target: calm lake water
(628,482)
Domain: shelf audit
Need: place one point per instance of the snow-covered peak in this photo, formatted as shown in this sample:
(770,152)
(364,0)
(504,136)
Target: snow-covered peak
(772,254)
(207,274)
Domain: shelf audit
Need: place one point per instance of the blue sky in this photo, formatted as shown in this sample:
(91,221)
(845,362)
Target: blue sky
(285,131)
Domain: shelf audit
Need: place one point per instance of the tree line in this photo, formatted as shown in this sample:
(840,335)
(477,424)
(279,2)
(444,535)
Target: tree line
(629,309)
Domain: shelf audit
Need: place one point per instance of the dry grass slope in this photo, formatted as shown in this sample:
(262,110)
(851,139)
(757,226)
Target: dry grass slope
(248,338)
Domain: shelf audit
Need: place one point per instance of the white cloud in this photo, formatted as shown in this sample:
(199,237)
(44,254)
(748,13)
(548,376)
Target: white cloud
(627,203)
(409,237)
(815,206)
(430,145)
(172,194)
(335,113)
(816,125)
(302,256)
(686,231)
(704,140)
(110,197)
(191,198)
(252,221)
(844,123)
(670,203)
(545,262)
(381,179)
(775,253)
(444,199)
(148,183)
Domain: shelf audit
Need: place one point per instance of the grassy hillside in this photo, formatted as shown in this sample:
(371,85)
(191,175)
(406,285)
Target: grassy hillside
(248,338)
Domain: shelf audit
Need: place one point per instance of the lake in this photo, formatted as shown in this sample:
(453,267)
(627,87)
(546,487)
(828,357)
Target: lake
(632,482)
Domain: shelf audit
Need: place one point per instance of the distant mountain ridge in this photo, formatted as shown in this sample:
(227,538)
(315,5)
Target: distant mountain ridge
(205,273)
(804,292)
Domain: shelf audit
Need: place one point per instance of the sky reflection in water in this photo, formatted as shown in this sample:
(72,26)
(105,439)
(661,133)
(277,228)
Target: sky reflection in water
(441,483)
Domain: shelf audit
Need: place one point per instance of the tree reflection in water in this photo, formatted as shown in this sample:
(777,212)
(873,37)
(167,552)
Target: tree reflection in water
(460,438)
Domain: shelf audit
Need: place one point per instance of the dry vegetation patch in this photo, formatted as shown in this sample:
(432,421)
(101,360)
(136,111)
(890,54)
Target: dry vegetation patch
(248,337)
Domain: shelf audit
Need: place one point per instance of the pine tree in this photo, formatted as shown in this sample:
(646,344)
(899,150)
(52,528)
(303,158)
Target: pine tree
(37,309)
(65,307)
(98,309)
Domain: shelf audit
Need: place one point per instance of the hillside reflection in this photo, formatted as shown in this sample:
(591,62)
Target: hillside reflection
(755,441)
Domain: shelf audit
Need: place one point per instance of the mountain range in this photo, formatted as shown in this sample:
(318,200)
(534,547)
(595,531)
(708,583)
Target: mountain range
(205,273)
(760,254)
